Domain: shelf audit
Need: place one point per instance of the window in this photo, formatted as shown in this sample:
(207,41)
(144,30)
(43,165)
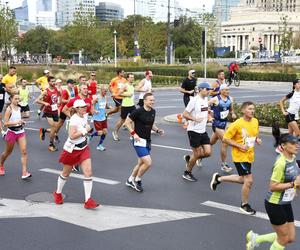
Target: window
(253,29)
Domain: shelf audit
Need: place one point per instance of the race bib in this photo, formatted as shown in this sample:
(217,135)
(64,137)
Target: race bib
(102,105)
(289,195)
(141,143)
(224,114)
(54,107)
(250,141)
(1,96)
(69,146)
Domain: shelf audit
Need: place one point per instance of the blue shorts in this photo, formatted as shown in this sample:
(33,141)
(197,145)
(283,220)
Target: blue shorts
(142,151)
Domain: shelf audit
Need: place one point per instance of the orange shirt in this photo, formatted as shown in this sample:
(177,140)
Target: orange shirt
(116,84)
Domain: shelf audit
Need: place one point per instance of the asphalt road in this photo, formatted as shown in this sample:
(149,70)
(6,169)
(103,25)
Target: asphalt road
(127,219)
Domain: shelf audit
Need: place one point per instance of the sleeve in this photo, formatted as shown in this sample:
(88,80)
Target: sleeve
(231,131)
(183,85)
(135,114)
(289,95)
(191,105)
(278,171)
(4,80)
(70,103)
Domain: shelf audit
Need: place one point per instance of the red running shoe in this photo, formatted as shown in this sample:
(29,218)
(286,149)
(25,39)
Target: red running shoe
(58,198)
(2,170)
(90,204)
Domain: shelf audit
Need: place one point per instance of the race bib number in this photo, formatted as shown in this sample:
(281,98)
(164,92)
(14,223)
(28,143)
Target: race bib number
(1,96)
(102,105)
(250,141)
(69,146)
(141,143)
(54,107)
(224,114)
(289,195)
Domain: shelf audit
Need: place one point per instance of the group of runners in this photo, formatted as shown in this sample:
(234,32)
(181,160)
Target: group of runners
(203,103)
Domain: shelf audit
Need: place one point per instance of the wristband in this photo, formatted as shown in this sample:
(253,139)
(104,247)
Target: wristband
(132,132)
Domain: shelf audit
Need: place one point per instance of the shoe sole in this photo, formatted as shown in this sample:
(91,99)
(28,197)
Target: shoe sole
(129,185)
(188,179)
(138,190)
(91,207)
(26,177)
(212,181)
(247,213)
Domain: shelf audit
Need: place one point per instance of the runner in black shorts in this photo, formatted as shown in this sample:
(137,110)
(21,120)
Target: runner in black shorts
(282,190)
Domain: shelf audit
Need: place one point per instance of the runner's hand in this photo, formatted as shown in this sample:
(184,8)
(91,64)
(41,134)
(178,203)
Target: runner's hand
(285,113)
(258,141)
(160,132)
(88,127)
(233,116)
(191,92)
(136,137)
(297,182)
(243,148)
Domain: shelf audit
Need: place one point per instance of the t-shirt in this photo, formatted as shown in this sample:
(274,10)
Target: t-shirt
(87,100)
(243,132)
(80,123)
(283,171)
(294,99)
(24,96)
(51,97)
(128,101)
(92,88)
(143,122)
(66,94)
(116,84)
(43,82)
(147,87)
(100,106)
(9,80)
(198,108)
(189,84)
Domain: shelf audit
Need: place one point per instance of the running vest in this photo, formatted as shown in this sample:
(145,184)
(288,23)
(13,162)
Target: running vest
(16,116)
(100,106)
(24,96)
(51,97)
(221,111)
(146,88)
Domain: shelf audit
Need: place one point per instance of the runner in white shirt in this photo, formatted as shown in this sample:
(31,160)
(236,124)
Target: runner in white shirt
(144,86)
(196,113)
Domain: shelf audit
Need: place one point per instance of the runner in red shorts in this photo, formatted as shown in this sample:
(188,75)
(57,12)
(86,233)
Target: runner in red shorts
(77,152)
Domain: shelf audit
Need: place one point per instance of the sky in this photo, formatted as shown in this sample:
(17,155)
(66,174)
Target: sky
(128,4)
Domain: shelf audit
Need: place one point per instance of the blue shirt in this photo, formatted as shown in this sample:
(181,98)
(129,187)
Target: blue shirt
(221,111)
(100,107)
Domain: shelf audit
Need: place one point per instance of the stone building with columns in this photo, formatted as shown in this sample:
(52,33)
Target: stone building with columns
(259,21)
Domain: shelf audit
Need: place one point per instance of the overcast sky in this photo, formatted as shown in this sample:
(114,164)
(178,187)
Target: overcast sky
(128,4)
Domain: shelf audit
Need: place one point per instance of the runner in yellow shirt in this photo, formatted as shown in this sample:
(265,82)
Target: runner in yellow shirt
(42,84)
(10,81)
(242,135)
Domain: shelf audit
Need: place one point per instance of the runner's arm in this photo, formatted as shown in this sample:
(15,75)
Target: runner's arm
(40,100)
(74,133)
(67,111)
(281,104)
(138,88)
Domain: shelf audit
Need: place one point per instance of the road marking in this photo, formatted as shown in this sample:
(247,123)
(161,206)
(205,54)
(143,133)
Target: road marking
(32,129)
(167,107)
(170,147)
(80,176)
(258,96)
(101,219)
(237,210)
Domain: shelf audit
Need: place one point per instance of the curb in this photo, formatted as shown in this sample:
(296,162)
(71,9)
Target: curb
(262,129)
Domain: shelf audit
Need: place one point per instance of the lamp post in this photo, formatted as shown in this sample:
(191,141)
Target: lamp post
(115,36)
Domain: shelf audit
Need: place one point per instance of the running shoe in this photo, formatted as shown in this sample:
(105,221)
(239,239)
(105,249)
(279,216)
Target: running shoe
(101,147)
(26,176)
(115,136)
(2,170)
(251,240)
(52,148)
(39,114)
(199,163)
(3,133)
(138,186)
(225,168)
(58,199)
(42,134)
(130,184)
(188,176)
(75,168)
(247,209)
(214,181)
(179,118)
(90,204)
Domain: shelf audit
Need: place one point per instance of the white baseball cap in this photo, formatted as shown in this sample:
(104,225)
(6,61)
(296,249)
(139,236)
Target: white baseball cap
(58,81)
(191,71)
(224,86)
(79,103)
(46,71)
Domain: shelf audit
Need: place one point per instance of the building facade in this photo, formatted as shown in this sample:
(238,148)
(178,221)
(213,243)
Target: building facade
(109,11)
(66,10)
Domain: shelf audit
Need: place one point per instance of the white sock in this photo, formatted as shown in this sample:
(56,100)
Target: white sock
(138,178)
(131,178)
(88,185)
(61,181)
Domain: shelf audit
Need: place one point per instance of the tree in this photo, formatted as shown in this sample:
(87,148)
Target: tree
(8,30)
(286,34)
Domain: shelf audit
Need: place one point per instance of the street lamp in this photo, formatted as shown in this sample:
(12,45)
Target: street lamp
(115,35)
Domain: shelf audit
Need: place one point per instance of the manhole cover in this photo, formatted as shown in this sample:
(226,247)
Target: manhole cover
(41,197)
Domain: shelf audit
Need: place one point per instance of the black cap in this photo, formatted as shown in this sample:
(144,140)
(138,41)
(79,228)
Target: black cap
(284,138)
(70,81)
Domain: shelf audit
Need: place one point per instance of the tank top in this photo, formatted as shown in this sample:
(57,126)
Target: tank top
(100,106)
(146,88)
(294,99)
(51,97)
(24,96)
(15,116)
(221,111)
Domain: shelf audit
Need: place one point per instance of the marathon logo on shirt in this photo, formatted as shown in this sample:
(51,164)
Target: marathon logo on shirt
(203,108)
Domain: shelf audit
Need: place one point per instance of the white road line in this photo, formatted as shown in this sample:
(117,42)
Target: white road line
(170,147)
(80,176)
(237,210)
(167,107)
(32,129)
(257,96)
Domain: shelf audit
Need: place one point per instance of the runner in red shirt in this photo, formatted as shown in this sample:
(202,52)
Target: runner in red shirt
(49,98)
(92,85)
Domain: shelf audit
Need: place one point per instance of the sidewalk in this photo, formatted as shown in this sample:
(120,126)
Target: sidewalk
(262,129)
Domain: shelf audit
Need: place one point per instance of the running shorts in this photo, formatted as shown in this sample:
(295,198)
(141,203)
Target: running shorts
(279,214)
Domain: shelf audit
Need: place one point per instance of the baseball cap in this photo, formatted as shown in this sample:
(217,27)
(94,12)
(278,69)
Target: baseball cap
(58,81)
(224,86)
(46,71)
(79,103)
(70,81)
(204,85)
(192,71)
(284,138)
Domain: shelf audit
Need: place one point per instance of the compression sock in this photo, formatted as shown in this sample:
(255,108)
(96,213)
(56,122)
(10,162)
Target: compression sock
(61,181)
(276,246)
(88,185)
(102,139)
(271,237)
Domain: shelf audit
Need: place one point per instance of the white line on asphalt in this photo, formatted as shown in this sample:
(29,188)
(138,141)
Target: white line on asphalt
(237,210)
(170,147)
(32,129)
(258,96)
(167,107)
(80,176)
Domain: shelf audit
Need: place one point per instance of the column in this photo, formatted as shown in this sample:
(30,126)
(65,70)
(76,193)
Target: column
(235,42)
(231,43)
(272,44)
